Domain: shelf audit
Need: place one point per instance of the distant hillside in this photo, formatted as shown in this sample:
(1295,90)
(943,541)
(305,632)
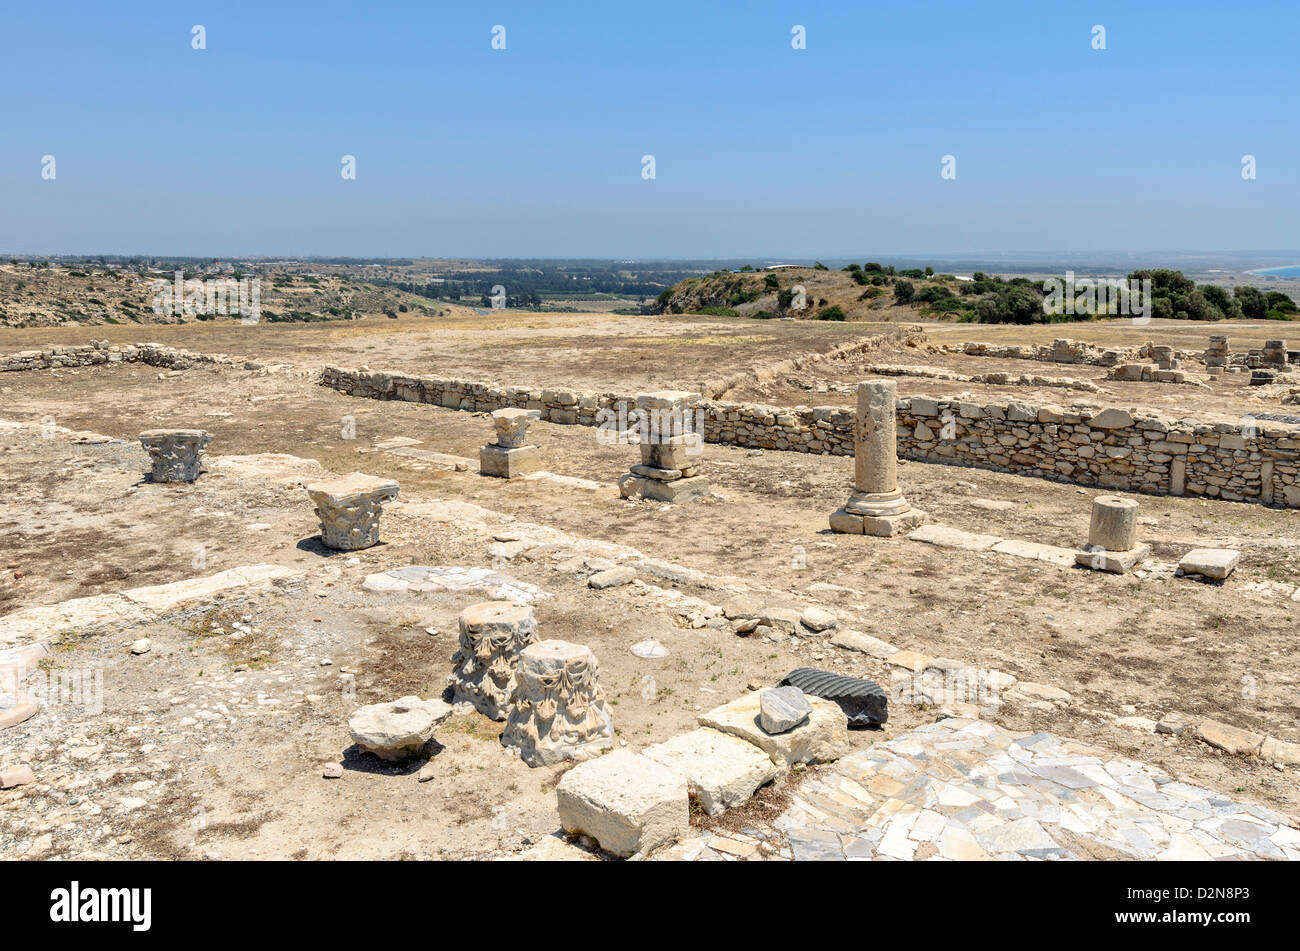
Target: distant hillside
(39,294)
(872,292)
(850,294)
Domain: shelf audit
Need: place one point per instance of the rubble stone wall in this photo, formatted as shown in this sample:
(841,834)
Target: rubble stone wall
(100,352)
(1109,448)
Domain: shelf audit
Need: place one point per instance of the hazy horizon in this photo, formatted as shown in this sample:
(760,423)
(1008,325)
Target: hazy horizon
(537,150)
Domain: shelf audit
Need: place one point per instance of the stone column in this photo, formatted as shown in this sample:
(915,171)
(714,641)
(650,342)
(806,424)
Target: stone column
(509,456)
(492,634)
(1112,536)
(175,455)
(672,448)
(876,506)
(349,509)
(558,710)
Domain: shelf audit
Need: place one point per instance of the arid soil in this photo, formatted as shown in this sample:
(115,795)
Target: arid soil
(80,520)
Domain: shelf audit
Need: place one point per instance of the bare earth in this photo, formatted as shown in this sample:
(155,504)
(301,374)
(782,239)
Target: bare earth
(221,740)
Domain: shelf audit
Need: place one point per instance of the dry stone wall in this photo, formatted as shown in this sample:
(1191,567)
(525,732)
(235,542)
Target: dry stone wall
(1110,448)
(101,352)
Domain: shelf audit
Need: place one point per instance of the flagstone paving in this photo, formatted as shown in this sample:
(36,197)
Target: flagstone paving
(969,790)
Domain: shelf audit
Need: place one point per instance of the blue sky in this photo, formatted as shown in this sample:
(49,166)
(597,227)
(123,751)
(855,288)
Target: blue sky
(760,150)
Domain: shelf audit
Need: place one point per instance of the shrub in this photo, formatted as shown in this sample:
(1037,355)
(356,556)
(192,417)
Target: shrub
(904,291)
(830,313)
(717,312)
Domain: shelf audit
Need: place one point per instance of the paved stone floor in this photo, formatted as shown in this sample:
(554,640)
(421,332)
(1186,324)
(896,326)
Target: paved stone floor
(970,790)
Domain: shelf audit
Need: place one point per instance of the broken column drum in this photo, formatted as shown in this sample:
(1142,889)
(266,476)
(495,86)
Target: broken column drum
(558,710)
(175,455)
(492,635)
(1114,523)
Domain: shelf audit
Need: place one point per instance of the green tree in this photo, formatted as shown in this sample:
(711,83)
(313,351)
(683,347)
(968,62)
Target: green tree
(904,291)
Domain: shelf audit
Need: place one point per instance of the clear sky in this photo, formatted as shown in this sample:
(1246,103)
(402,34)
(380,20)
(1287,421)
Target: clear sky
(760,149)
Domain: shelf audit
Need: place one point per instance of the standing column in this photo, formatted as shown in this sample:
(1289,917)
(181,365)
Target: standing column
(876,505)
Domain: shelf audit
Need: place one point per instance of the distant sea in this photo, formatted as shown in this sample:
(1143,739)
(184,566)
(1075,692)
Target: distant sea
(1291,272)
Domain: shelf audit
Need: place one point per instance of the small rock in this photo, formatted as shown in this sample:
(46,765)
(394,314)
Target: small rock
(142,646)
(612,578)
(782,708)
(19,775)
(817,619)
(649,649)
(332,771)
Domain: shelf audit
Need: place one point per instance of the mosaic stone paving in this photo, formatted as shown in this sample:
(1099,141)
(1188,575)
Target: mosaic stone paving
(970,790)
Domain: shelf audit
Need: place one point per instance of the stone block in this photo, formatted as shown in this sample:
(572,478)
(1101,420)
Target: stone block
(1215,563)
(504,463)
(721,770)
(627,802)
(1115,562)
(887,526)
(945,537)
(822,739)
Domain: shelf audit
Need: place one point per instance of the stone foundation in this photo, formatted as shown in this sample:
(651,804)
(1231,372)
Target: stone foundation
(1084,445)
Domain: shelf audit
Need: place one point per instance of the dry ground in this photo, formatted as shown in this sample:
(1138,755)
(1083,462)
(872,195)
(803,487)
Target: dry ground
(79,522)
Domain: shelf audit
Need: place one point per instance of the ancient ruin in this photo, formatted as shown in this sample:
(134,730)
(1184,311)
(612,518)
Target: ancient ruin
(509,456)
(492,636)
(876,506)
(1112,536)
(671,447)
(557,711)
(349,509)
(175,455)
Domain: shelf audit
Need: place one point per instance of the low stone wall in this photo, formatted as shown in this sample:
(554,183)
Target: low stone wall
(1065,350)
(1109,448)
(100,352)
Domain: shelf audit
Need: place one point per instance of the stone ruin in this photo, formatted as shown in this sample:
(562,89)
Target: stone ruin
(1112,536)
(509,456)
(349,509)
(557,711)
(399,729)
(175,455)
(1217,355)
(672,448)
(492,635)
(876,506)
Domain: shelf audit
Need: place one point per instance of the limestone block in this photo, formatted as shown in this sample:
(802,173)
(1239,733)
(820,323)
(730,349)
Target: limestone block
(824,737)
(722,770)
(1115,562)
(627,802)
(1215,563)
(509,463)
(679,491)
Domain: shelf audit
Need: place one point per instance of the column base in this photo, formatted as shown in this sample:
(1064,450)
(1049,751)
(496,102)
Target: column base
(1116,562)
(877,504)
(845,522)
(509,463)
